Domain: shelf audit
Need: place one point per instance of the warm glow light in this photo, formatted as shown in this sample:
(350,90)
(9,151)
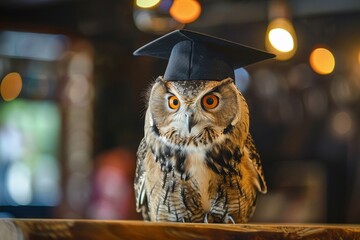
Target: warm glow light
(281,39)
(149,21)
(322,61)
(146,3)
(11,86)
(359,57)
(342,123)
(185,11)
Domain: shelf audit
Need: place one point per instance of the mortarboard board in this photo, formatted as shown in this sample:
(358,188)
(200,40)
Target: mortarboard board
(196,56)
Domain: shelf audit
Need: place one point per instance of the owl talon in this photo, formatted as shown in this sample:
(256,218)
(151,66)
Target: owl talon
(206,218)
(229,217)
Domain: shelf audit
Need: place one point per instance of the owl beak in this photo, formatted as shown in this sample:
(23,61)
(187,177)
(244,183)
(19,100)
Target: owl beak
(189,121)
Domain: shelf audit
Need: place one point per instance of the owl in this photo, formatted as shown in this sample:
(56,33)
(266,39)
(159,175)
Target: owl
(197,161)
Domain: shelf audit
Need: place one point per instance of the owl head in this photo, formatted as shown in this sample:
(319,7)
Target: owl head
(195,112)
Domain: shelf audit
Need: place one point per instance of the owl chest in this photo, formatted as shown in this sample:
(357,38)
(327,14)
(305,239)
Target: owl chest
(201,177)
(183,187)
(185,178)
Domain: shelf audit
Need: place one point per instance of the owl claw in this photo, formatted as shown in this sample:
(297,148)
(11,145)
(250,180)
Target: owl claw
(206,218)
(229,218)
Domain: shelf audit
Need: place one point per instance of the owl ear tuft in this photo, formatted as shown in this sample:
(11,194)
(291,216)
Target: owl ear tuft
(159,79)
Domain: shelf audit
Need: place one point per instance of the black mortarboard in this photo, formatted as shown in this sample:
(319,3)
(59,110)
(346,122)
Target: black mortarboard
(196,56)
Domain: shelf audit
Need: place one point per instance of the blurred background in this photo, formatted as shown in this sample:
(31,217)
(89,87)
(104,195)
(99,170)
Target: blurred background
(71,102)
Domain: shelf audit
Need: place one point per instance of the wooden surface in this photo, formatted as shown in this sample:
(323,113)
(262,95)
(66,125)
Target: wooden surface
(91,229)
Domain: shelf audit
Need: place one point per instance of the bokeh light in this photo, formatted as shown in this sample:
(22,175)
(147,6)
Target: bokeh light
(266,83)
(300,77)
(185,11)
(147,3)
(29,144)
(281,39)
(153,22)
(18,182)
(242,79)
(37,46)
(11,86)
(79,89)
(342,91)
(322,61)
(316,102)
(342,123)
(79,94)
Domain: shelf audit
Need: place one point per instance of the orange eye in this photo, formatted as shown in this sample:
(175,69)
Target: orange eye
(174,102)
(210,101)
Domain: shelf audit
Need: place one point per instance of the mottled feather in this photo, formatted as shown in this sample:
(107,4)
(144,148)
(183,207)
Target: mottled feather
(210,172)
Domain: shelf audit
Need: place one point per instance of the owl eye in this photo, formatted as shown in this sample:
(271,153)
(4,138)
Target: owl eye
(173,102)
(210,101)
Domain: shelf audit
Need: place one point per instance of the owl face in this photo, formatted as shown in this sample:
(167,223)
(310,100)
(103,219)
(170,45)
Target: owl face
(191,109)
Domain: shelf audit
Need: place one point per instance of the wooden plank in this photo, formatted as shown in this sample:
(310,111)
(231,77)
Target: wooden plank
(11,229)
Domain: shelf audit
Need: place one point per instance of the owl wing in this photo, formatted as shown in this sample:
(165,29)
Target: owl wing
(140,181)
(255,159)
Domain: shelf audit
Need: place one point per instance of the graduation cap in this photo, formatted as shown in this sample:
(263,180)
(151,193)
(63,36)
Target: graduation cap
(196,56)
